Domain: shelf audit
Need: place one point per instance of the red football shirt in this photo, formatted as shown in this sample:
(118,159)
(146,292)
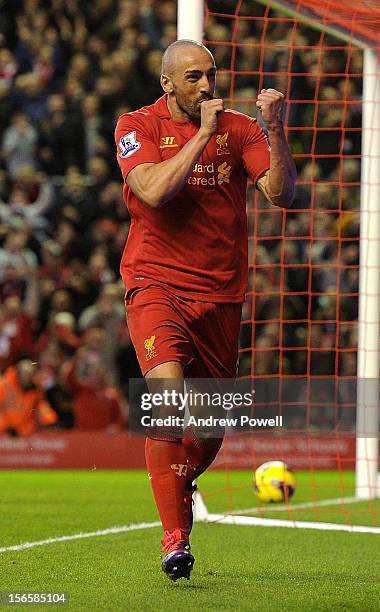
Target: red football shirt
(196,243)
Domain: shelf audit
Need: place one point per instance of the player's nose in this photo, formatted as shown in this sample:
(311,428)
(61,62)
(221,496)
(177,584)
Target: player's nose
(204,85)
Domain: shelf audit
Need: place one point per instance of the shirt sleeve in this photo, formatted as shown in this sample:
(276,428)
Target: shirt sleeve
(135,144)
(256,151)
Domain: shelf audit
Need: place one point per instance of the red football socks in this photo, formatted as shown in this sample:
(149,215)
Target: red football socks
(172,466)
(167,467)
(200,452)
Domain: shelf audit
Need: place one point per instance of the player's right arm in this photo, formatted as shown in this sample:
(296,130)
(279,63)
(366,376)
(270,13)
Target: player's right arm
(156,183)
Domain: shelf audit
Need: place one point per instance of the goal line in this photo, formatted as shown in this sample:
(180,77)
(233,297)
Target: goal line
(237,517)
(253,521)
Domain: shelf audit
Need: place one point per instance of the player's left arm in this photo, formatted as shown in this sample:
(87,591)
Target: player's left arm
(277,183)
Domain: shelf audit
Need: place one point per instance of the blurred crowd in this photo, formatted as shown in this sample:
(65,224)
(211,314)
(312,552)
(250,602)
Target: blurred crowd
(68,69)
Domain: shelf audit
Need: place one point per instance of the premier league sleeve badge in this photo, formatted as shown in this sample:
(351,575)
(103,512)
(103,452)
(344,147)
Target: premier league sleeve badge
(128,145)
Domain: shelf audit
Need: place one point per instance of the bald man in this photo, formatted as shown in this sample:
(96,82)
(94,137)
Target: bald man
(185,161)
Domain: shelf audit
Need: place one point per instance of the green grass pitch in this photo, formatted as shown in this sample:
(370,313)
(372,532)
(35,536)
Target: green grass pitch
(237,568)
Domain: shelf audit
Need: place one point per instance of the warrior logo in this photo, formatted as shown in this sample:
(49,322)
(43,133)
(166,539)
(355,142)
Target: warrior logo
(167,142)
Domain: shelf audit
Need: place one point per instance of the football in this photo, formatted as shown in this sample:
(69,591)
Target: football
(274,482)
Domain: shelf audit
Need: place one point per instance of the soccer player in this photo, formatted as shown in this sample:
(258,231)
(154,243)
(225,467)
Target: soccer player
(185,162)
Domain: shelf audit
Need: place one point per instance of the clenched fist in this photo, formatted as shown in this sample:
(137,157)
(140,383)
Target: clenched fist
(270,103)
(210,110)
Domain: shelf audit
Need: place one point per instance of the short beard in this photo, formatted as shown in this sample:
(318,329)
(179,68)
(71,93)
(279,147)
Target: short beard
(194,115)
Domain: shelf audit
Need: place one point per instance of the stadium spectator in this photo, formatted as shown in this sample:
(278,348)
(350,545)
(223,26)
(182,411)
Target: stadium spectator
(60,332)
(8,68)
(19,144)
(59,132)
(97,404)
(31,96)
(16,253)
(16,329)
(109,314)
(31,197)
(23,405)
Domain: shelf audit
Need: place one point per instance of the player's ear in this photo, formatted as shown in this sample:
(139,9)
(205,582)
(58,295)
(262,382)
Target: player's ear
(166,83)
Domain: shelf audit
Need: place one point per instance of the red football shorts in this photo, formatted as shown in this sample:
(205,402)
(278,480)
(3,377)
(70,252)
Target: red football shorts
(203,336)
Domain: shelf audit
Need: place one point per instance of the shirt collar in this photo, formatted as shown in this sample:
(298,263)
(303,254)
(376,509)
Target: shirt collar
(161,108)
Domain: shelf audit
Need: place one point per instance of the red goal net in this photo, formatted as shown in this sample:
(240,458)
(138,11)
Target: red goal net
(299,333)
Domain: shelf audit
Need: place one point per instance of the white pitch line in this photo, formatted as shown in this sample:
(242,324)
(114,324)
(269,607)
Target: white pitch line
(225,519)
(336,501)
(80,536)
(262,522)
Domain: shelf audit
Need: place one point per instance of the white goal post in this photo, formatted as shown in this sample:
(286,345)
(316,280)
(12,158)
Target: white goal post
(367,441)
(190,19)
(190,25)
